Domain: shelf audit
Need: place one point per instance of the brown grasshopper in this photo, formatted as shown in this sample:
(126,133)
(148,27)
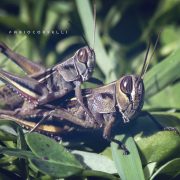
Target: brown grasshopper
(43,86)
(124,97)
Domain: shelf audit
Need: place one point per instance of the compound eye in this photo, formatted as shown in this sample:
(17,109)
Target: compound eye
(82,56)
(126,85)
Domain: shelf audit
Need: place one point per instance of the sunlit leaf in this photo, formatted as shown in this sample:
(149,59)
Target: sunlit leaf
(128,166)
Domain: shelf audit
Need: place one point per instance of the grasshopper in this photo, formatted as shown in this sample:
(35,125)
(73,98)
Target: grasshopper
(122,97)
(42,86)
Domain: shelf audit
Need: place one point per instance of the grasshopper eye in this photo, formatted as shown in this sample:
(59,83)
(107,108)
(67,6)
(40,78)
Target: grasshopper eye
(126,85)
(82,56)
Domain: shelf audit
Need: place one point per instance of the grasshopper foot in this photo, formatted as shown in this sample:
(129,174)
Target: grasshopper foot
(125,150)
(58,139)
(123,147)
(120,145)
(172,129)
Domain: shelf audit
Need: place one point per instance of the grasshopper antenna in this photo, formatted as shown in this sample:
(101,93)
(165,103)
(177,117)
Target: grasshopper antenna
(145,60)
(82,35)
(94,21)
(146,64)
(94,25)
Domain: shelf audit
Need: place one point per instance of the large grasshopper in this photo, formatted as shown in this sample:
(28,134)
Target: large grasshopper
(123,97)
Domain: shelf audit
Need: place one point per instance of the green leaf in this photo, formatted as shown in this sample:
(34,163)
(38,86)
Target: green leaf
(128,166)
(21,144)
(38,12)
(55,159)
(17,153)
(103,175)
(91,159)
(173,101)
(171,168)
(24,14)
(162,75)
(159,146)
(149,169)
(7,131)
(155,145)
(61,7)
(13,23)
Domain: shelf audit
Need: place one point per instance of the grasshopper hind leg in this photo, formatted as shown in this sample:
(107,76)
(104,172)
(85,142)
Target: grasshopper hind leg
(27,65)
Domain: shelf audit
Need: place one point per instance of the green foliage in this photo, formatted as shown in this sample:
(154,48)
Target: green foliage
(122,32)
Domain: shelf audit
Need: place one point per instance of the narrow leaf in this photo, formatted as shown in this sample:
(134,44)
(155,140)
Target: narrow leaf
(128,166)
(163,74)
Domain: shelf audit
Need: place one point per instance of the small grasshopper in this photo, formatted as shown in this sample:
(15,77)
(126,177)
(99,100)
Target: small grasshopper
(43,86)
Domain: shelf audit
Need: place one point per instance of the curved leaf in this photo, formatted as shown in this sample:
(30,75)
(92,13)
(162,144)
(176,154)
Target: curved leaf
(55,159)
(154,144)
(171,168)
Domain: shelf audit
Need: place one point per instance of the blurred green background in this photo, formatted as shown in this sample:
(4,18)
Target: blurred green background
(123,30)
(124,27)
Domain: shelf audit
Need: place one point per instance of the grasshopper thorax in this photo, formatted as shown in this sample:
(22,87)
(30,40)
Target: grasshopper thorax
(129,95)
(85,62)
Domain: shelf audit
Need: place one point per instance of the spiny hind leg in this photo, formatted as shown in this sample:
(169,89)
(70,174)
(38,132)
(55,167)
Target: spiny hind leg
(28,88)
(62,115)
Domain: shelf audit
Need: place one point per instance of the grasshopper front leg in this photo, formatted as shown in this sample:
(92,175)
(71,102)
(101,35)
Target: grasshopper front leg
(108,126)
(80,100)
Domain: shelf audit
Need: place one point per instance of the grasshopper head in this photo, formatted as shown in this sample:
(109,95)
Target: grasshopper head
(130,95)
(130,90)
(85,62)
